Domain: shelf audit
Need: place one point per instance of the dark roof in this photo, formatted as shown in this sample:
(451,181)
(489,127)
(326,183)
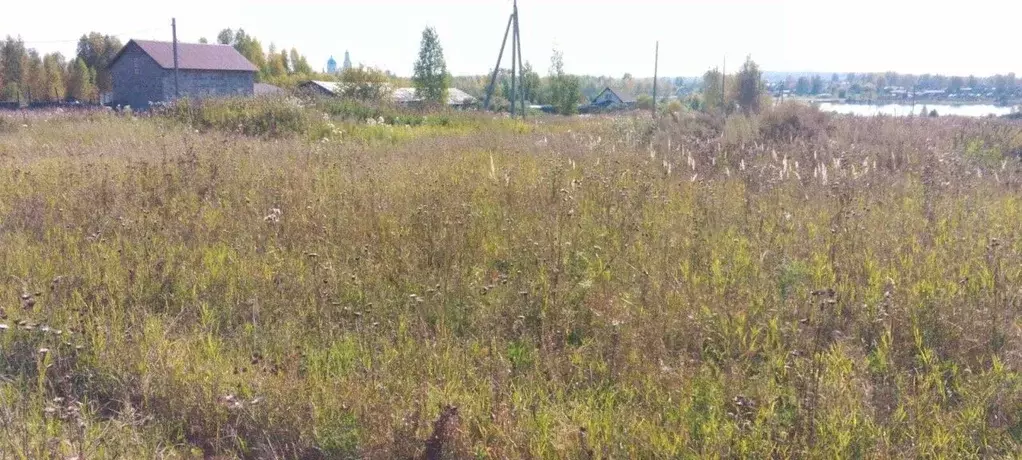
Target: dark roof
(625,98)
(331,88)
(265,89)
(192,56)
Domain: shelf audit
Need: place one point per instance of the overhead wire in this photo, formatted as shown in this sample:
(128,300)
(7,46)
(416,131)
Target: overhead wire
(75,40)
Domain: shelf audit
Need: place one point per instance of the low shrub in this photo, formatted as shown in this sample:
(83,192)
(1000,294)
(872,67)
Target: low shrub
(791,120)
(357,111)
(693,124)
(265,117)
(740,129)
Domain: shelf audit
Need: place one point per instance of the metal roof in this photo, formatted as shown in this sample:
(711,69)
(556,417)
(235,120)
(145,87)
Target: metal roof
(192,56)
(331,87)
(265,89)
(455,96)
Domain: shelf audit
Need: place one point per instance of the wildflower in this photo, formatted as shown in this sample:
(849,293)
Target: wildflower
(273,216)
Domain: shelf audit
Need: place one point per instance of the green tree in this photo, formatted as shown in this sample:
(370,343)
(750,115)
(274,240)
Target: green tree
(999,84)
(881,82)
(276,63)
(225,37)
(13,63)
(203,40)
(365,84)
(802,87)
(956,84)
(817,83)
(644,102)
(55,70)
(530,82)
(98,50)
(81,86)
(35,78)
(713,91)
(504,88)
(299,64)
(565,90)
(249,47)
(750,86)
(431,79)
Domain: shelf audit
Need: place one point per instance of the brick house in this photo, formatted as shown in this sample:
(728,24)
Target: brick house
(143,72)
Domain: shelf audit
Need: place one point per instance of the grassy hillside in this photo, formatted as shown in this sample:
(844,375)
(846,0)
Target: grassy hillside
(786,286)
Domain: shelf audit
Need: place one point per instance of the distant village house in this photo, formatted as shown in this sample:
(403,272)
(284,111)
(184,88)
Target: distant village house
(401,96)
(455,97)
(320,88)
(608,100)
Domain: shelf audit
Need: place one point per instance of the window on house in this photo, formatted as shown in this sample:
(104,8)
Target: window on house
(136,65)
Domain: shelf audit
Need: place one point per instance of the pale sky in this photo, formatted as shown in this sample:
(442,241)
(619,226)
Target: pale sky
(598,37)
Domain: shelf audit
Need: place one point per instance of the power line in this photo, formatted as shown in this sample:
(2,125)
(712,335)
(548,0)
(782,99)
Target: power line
(118,35)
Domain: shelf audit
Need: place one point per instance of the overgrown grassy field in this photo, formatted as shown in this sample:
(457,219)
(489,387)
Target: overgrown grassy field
(790,286)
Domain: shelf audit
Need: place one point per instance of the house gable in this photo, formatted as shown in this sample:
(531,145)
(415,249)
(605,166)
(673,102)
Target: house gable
(137,77)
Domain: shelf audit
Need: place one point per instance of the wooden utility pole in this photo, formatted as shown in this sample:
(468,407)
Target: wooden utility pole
(521,70)
(514,57)
(517,86)
(656,65)
(496,69)
(173,28)
(723,84)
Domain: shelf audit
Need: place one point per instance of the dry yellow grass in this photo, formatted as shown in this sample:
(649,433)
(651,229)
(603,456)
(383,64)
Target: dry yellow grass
(565,288)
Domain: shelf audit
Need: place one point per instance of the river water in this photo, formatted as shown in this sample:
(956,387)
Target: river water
(900,110)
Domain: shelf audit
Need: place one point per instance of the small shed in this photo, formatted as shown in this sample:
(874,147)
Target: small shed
(143,72)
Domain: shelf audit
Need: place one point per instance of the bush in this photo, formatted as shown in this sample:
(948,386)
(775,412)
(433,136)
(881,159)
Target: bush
(673,106)
(358,112)
(500,104)
(791,120)
(739,130)
(644,102)
(268,117)
(366,84)
(697,125)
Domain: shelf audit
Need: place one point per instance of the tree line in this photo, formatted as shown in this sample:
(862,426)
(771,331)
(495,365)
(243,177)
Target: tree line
(744,91)
(27,76)
(280,67)
(872,84)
